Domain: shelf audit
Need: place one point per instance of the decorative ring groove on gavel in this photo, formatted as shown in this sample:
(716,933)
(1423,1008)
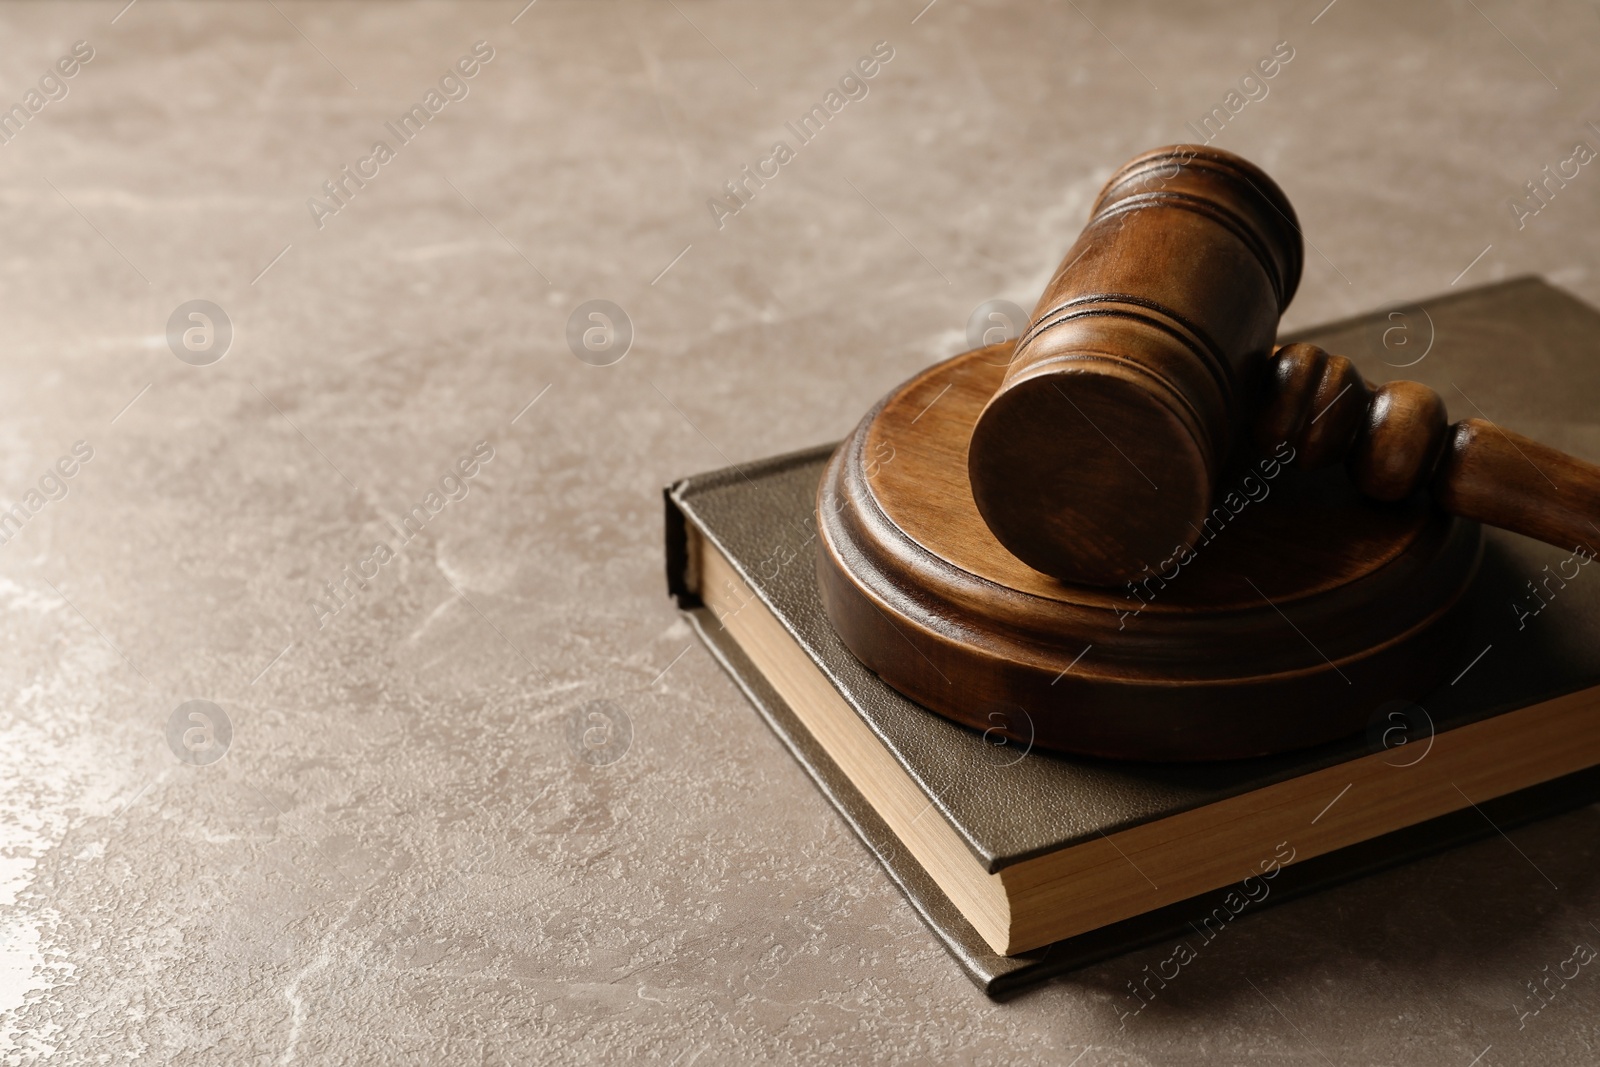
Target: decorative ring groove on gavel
(1148,363)
(1181,330)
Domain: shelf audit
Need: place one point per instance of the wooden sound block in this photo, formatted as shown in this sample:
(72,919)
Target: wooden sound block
(1300,609)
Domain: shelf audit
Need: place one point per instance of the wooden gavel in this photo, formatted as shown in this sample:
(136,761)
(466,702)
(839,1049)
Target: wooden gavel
(1148,364)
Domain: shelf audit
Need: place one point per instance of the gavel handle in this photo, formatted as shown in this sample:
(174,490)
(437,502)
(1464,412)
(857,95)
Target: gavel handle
(1396,438)
(1507,480)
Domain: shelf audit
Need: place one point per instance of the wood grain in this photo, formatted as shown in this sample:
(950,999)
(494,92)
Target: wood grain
(1299,609)
(1507,480)
(1147,370)
(1238,535)
(1397,439)
(1123,402)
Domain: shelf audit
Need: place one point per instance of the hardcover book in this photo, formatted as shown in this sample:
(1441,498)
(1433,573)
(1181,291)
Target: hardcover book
(1026,863)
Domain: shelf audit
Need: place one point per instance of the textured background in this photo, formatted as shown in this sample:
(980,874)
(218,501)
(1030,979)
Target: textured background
(501,806)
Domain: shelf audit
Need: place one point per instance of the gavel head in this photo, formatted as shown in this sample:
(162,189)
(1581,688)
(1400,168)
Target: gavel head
(1098,455)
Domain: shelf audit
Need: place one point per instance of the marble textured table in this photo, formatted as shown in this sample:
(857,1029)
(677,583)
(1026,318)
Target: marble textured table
(482,798)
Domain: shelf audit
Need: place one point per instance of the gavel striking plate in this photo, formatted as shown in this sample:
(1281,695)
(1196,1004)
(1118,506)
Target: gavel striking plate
(1140,532)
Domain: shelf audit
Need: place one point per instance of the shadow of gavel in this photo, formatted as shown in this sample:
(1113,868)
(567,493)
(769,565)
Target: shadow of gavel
(1148,364)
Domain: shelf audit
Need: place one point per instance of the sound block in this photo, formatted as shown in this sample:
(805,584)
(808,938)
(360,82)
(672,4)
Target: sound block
(1299,612)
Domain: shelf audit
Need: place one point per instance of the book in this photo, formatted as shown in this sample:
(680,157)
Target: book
(1025,863)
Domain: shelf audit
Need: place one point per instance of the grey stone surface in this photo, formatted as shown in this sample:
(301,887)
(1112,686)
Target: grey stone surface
(431,838)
